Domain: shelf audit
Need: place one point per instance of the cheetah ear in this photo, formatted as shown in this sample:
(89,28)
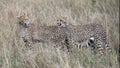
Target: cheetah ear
(18,17)
(64,18)
(25,15)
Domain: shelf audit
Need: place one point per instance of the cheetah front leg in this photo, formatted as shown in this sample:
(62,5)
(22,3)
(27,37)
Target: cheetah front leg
(108,48)
(99,47)
(27,42)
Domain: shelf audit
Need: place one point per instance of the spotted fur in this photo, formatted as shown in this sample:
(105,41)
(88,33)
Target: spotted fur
(93,33)
(32,33)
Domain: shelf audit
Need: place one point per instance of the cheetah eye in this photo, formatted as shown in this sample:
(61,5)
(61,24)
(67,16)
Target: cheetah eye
(57,20)
(61,20)
(21,23)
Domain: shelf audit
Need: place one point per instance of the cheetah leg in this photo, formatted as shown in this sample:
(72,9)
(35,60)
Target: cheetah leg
(99,47)
(67,43)
(27,45)
(27,41)
(108,48)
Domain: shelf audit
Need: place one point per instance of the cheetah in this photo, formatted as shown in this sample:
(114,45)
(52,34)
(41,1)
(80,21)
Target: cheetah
(30,33)
(93,33)
(24,23)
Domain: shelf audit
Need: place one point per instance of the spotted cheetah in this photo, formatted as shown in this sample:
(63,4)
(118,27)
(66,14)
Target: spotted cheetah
(30,33)
(93,33)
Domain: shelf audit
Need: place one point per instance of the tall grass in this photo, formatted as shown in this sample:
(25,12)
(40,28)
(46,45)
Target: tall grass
(13,53)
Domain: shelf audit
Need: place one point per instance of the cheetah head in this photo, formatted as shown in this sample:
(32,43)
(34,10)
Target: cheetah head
(62,22)
(23,21)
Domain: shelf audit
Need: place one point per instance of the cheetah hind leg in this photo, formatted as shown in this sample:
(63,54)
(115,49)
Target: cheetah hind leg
(28,45)
(108,48)
(99,47)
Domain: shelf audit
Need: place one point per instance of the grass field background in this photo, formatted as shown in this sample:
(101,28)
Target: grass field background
(13,53)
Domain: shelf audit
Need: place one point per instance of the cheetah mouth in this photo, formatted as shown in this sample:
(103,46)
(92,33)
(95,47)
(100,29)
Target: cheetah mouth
(59,24)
